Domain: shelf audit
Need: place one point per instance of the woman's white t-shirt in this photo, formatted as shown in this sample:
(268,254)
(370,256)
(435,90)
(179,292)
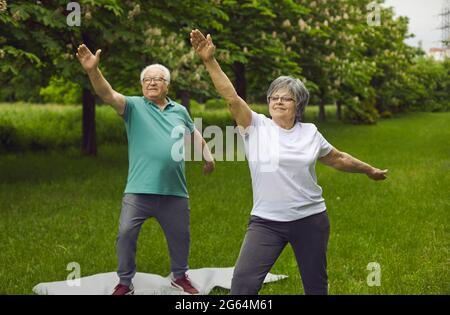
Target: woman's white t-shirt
(282,167)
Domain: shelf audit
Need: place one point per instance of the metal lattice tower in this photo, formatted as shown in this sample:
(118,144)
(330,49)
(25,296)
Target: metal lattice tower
(445,25)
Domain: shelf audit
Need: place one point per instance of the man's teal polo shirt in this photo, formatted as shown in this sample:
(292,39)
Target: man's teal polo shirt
(153,136)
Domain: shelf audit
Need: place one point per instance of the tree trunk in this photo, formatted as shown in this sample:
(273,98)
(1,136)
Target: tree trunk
(322,108)
(89,145)
(185,99)
(241,82)
(339,110)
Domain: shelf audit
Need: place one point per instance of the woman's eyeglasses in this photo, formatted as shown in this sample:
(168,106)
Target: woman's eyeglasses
(284,99)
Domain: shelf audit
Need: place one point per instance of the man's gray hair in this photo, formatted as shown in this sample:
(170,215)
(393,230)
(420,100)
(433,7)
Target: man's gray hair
(157,66)
(298,90)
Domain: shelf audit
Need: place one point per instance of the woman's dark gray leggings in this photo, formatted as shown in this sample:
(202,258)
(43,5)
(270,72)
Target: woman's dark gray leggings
(264,242)
(171,212)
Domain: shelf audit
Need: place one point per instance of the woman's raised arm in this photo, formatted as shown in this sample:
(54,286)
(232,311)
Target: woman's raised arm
(205,49)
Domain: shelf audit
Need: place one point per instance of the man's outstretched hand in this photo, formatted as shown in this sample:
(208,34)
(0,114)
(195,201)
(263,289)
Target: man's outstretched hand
(209,167)
(202,45)
(88,60)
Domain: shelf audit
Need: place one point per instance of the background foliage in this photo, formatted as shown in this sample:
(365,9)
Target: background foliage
(367,71)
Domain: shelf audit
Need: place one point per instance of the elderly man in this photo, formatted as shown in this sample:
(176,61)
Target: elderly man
(156,185)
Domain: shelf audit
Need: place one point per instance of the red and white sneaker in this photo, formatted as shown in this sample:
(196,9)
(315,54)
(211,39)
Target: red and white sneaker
(184,283)
(122,289)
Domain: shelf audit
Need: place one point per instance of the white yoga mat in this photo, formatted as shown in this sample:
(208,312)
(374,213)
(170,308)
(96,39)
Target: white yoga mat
(204,280)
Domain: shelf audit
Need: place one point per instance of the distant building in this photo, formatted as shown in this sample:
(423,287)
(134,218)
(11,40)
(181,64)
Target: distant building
(439,53)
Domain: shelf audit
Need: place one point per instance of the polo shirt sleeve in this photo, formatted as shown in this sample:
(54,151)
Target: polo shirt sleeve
(129,107)
(324,146)
(188,121)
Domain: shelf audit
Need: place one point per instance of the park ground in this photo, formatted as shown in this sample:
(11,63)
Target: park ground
(57,207)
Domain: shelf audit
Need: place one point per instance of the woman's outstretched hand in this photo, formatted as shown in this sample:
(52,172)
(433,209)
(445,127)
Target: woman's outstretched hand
(202,45)
(377,174)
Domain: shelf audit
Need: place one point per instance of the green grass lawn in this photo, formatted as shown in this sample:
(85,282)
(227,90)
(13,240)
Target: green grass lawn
(57,207)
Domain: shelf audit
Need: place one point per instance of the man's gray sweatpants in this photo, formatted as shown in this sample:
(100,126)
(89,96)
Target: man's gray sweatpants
(172,213)
(264,242)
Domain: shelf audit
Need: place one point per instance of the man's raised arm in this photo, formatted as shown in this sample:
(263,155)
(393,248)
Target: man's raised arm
(101,86)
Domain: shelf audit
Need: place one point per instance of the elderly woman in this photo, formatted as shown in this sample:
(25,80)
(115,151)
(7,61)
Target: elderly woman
(288,206)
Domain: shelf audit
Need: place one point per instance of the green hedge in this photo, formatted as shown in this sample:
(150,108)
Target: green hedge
(35,127)
(51,126)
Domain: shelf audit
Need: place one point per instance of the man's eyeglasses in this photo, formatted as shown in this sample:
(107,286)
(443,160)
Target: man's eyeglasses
(284,99)
(149,80)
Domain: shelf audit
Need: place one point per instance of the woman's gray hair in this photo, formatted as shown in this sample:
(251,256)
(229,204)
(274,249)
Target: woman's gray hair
(298,90)
(157,66)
